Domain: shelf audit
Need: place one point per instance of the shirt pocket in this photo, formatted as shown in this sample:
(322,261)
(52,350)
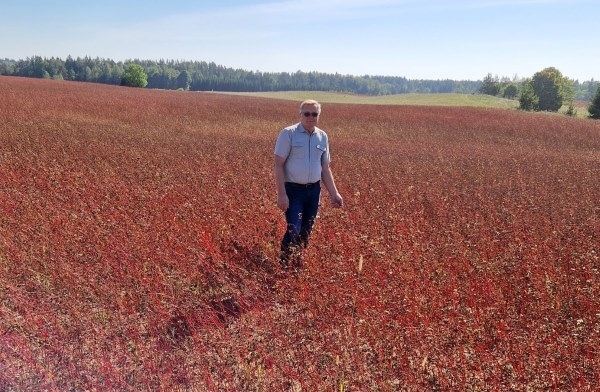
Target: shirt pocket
(298,151)
(321,148)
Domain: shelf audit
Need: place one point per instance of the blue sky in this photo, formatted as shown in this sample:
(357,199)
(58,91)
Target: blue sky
(417,39)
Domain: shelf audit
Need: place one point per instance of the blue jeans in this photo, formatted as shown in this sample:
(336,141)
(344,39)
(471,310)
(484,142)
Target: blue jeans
(300,218)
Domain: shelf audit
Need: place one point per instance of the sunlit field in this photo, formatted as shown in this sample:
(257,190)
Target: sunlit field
(441,99)
(139,236)
(450,99)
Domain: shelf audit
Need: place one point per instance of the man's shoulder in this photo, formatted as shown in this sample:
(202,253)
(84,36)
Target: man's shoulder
(292,131)
(320,132)
(292,128)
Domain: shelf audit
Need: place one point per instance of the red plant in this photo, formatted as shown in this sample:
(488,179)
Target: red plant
(139,235)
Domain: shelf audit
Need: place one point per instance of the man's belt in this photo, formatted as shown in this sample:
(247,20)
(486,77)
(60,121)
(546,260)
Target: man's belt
(305,186)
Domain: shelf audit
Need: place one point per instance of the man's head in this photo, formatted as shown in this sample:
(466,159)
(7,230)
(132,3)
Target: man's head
(309,114)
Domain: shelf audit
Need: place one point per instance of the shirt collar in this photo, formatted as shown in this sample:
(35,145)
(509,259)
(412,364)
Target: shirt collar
(302,129)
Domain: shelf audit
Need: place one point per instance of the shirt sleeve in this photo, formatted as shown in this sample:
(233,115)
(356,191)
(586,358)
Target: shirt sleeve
(326,158)
(283,145)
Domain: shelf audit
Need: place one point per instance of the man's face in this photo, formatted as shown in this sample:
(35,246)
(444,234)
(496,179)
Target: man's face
(309,121)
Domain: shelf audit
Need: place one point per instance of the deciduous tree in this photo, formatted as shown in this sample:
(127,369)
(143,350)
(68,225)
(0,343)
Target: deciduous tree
(134,76)
(490,86)
(510,91)
(549,86)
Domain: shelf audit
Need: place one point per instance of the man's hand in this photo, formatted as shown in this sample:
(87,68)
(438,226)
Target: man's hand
(283,202)
(337,201)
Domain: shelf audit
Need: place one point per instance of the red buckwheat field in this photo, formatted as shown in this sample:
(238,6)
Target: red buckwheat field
(139,237)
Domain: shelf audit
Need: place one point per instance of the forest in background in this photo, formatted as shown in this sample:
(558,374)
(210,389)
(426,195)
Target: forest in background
(209,76)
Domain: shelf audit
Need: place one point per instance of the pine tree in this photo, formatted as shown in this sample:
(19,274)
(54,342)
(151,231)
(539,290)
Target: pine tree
(528,101)
(594,108)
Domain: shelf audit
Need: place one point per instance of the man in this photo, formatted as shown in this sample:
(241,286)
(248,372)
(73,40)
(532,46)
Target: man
(301,162)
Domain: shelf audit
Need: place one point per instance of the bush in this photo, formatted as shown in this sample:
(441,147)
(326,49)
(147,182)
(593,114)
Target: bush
(571,111)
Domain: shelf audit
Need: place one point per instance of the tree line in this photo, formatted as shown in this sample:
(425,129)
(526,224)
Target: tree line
(546,90)
(208,76)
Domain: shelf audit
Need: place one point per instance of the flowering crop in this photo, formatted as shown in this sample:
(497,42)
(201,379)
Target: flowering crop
(139,236)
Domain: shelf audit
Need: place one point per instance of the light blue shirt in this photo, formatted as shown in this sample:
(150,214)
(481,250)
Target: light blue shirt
(304,153)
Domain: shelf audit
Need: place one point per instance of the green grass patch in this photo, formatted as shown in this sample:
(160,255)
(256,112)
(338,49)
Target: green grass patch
(473,100)
(450,99)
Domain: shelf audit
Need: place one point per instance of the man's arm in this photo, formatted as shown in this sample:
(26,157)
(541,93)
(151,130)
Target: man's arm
(278,169)
(327,176)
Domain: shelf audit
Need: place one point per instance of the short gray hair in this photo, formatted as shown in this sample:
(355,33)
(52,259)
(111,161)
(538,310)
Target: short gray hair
(310,102)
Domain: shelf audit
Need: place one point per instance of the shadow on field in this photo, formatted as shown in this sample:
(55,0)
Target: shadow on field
(249,280)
